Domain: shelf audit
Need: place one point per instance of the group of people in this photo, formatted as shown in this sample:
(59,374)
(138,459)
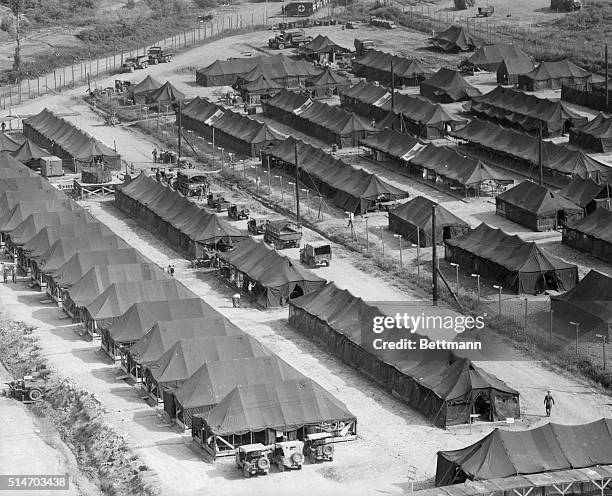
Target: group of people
(170,270)
(9,270)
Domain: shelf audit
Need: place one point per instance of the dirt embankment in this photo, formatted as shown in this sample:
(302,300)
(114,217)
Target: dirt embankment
(102,454)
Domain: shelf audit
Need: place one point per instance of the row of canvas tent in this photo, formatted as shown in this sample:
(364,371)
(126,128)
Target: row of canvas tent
(126,296)
(65,140)
(180,221)
(151,91)
(227,128)
(375,65)
(352,189)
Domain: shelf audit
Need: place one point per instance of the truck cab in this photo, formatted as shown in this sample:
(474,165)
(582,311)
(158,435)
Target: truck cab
(289,39)
(132,63)
(191,182)
(283,234)
(158,55)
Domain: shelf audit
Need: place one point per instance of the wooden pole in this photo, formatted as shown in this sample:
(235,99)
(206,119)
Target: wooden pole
(297,184)
(434,257)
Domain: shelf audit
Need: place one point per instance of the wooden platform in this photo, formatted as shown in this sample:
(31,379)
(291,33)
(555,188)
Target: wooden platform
(86,190)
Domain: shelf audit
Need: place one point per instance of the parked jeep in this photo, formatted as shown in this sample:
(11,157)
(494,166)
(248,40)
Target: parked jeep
(318,447)
(288,454)
(253,459)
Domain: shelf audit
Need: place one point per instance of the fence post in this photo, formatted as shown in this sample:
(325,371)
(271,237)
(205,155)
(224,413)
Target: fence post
(19,91)
(29,95)
(54,81)
(525,323)
(72,76)
(97,67)
(38,86)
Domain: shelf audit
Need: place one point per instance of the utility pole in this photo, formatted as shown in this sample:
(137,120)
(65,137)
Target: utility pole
(269,176)
(297,184)
(540,159)
(180,132)
(606,94)
(434,255)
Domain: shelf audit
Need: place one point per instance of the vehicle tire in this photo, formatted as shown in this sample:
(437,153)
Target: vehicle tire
(263,464)
(328,450)
(132,69)
(35,394)
(327,263)
(281,46)
(281,467)
(246,471)
(155,61)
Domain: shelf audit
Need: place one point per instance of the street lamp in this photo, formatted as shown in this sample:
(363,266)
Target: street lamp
(280,178)
(499,288)
(305,190)
(456,274)
(267,173)
(399,238)
(256,180)
(222,157)
(382,240)
(365,217)
(577,324)
(412,245)
(604,338)
(477,276)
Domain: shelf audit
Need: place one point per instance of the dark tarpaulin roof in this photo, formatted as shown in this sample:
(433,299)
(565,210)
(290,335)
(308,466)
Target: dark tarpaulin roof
(166,93)
(418,212)
(23,209)
(449,163)
(30,151)
(82,261)
(261,84)
(515,66)
(447,82)
(398,145)
(508,251)
(543,449)
(65,247)
(214,381)
(7,143)
(381,61)
(322,44)
(537,199)
(352,188)
(328,78)
(100,277)
(40,243)
(490,56)
(598,130)
(29,183)
(8,199)
(597,225)
(555,156)
(165,333)
(13,172)
(186,356)
(118,297)
(455,39)
(557,70)
(283,406)
(35,222)
(147,85)
(142,316)
(583,191)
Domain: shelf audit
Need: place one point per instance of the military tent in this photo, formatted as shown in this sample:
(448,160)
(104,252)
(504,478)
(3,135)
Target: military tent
(110,305)
(447,86)
(390,144)
(142,316)
(16,173)
(550,447)
(322,48)
(413,221)
(186,356)
(259,89)
(29,151)
(8,143)
(589,303)
(213,381)
(588,194)
(30,182)
(8,199)
(375,65)
(165,95)
(260,412)
(62,138)
(330,124)
(351,189)
(165,333)
(144,88)
(553,75)
(516,265)
(100,277)
(510,69)
(489,57)
(456,39)
(327,84)
(446,166)
(595,135)
(526,112)
(23,209)
(536,207)
(592,234)
(521,151)
(277,278)
(441,386)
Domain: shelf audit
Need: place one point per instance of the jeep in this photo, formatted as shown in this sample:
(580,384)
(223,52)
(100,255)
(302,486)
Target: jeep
(288,454)
(318,447)
(253,459)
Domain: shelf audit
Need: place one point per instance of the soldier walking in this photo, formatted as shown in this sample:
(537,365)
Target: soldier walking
(549,401)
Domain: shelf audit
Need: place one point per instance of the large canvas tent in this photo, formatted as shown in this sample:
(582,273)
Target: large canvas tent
(352,189)
(64,139)
(553,75)
(182,222)
(375,65)
(144,88)
(592,234)
(29,151)
(489,57)
(392,145)
(588,194)
(232,130)
(589,303)
(413,221)
(510,69)
(446,392)
(547,448)
(407,113)
(213,381)
(30,182)
(456,39)
(276,278)
(283,69)
(137,320)
(261,412)
(330,124)
(23,209)
(322,48)
(536,207)
(527,113)
(166,94)
(8,143)
(165,333)
(447,86)
(516,265)
(327,84)
(595,135)
(521,151)
(8,199)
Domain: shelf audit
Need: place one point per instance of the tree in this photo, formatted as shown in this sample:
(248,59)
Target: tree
(17,7)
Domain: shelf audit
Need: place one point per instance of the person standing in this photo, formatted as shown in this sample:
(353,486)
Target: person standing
(236,300)
(172,271)
(549,401)
(14,274)
(5,273)
(154,153)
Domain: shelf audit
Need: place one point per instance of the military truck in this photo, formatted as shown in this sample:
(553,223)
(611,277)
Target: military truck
(158,55)
(362,46)
(283,234)
(253,459)
(318,447)
(256,225)
(235,211)
(316,254)
(132,63)
(191,182)
(28,389)
(289,39)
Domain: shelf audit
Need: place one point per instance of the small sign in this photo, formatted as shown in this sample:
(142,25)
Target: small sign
(510,420)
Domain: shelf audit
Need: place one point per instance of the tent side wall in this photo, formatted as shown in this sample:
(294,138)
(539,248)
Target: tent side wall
(587,244)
